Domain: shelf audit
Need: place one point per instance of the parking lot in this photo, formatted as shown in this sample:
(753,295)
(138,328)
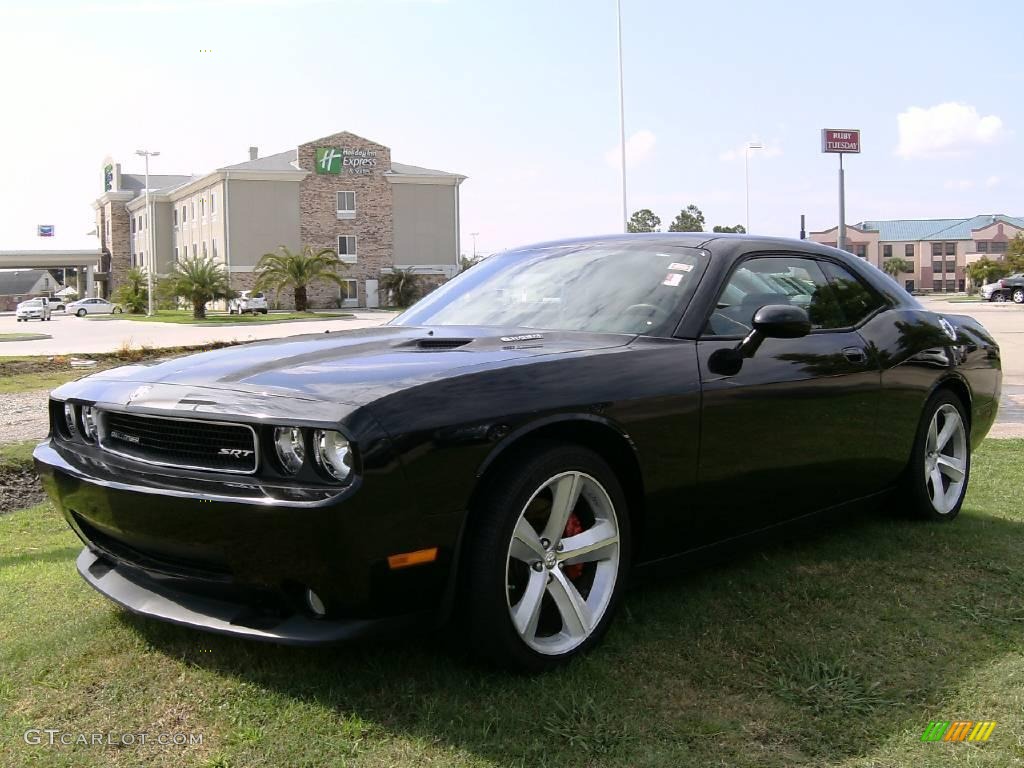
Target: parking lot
(74,335)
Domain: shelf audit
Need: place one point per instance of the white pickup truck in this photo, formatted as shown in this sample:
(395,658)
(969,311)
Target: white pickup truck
(33,309)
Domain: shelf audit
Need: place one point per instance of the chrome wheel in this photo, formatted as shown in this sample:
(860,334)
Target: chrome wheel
(1018,296)
(999,296)
(562,563)
(945,459)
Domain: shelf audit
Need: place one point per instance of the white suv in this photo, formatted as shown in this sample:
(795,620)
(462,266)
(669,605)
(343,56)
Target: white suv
(248,301)
(33,309)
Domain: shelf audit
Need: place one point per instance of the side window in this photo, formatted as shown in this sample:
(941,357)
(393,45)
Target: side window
(774,280)
(856,300)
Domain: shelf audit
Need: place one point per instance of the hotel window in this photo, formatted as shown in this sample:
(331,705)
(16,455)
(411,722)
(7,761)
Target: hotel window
(950,286)
(204,249)
(908,250)
(184,214)
(860,251)
(175,253)
(213,242)
(981,246)
(192,210)
(951,265)
(195,250)
(936,266)
(936,285)
(175,213)
(346,205)
(886,251)
(951,249)
(133,225)
(349,293)
(202,206)
(347,248)
(213,203)
(998,247)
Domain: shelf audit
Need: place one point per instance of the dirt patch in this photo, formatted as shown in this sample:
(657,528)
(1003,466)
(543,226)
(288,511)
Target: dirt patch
(19,487)
(128,354)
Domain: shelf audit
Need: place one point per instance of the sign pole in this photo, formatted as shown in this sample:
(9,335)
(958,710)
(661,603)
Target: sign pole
(841,240)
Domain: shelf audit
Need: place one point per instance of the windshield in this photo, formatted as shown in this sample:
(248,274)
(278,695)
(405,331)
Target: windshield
(598,288)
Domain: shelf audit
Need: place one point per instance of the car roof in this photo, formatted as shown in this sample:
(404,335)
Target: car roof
(712,241)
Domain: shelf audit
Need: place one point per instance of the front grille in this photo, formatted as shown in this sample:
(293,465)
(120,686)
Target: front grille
(185,443)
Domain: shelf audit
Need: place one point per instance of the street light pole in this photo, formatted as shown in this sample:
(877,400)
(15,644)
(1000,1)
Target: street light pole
(474,236)
(150,240)
(746,171)
(622,122)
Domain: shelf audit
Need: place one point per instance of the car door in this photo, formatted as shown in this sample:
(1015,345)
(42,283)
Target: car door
(792,430)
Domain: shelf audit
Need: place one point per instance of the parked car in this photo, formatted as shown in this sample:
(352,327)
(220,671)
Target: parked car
(991,292)
(33,309)
(1010,287)
(509,448)
(248,301)
(84,307)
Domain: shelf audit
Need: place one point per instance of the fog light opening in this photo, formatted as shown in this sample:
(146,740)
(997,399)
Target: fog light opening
(315,604)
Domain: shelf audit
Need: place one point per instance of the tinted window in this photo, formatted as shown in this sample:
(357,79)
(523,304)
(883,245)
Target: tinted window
(774,280)
(856,300)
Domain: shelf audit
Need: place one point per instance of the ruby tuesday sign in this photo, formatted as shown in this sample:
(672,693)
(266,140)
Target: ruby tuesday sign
(335,160)
(840,140)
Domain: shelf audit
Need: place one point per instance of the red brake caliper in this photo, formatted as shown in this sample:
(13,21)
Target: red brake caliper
(572,527)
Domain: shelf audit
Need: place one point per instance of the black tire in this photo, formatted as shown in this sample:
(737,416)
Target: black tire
(264,311)
(998,296)
(1017,295)
(80,313)
(117,310)
(915,498)
(490,629)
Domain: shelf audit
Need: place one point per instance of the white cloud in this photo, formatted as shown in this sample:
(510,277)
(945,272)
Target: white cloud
(639,147)
(992,181)
(769,149)
(944,129)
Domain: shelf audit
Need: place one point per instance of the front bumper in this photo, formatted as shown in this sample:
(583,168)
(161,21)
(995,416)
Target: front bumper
(229,557)
(147,596)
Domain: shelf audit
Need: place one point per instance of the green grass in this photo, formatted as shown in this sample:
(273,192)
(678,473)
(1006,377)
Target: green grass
(24,336)
(833,648)
(17,453)
(223,318)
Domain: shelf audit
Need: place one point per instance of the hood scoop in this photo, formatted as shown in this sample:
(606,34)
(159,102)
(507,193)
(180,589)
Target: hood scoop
(439,344)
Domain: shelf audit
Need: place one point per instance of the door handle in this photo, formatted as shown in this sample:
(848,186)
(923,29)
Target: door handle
(855,354)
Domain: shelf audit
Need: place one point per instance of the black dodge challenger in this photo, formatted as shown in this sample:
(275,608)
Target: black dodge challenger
(511,446)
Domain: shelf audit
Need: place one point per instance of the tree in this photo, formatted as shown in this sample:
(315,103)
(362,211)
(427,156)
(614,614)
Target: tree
(738,229)
(985,270)
(690,219)
(644,220)
(895,266)
(199,280)
(465,262)
(133,293)
(402,284)
(1015,254)
(297,270)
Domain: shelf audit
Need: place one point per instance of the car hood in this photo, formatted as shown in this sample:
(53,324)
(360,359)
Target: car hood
(348,367)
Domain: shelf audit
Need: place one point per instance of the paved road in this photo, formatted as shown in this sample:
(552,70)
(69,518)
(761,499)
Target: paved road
(74,335)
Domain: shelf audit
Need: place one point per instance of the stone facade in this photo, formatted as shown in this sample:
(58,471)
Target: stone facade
(114,227)
(362,168)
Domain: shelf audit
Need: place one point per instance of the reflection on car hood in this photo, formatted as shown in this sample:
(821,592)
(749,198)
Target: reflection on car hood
(352,367)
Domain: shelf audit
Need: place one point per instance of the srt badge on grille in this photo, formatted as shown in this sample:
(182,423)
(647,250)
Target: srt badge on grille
(236,453)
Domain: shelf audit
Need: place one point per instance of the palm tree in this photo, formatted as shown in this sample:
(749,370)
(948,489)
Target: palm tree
(199,280)
(895,266)
(297,270)
(132,293)
(402,284)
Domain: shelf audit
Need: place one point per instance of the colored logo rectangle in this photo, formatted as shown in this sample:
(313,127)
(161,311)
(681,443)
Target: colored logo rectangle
(328,160)
(958,730)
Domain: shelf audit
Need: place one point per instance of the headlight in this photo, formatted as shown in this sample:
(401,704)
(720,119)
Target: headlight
(333,453)
(69,418)
(291,451)
(88,422)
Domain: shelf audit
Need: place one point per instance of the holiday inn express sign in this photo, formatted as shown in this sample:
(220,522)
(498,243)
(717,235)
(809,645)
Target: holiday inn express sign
(840,140)
(335,160)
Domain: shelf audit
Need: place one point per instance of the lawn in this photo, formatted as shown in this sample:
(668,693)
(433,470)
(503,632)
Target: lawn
(833,648)
(223,318)
(24,336)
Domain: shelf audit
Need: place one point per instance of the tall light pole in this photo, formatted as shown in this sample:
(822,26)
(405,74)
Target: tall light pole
(622,121)
(474,236)
(746,170)
(150,240)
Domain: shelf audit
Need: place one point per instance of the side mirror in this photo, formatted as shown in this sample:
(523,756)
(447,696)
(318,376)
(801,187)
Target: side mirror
(775,321)
(781,321)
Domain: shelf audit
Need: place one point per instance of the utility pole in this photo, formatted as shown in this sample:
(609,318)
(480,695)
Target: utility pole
(474,236)
(622,122)
(150,240)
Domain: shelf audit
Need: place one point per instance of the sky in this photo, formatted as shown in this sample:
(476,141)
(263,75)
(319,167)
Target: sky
(522,98)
